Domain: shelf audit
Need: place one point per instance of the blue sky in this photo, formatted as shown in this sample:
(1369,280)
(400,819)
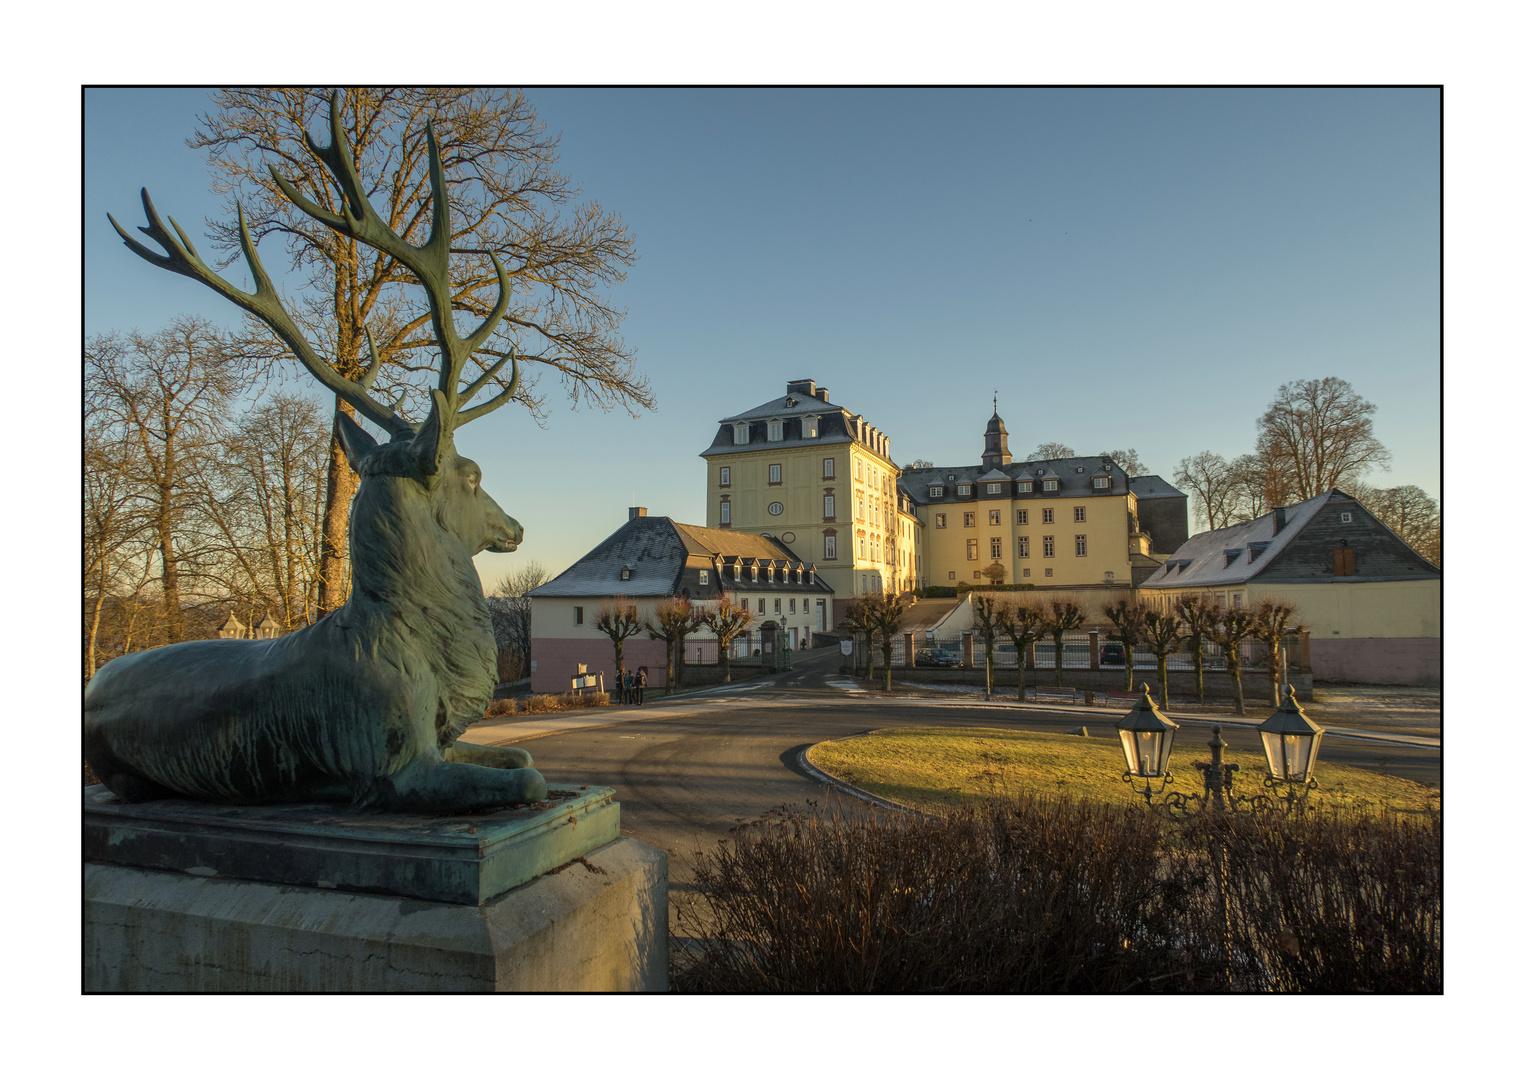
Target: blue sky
(1130,268)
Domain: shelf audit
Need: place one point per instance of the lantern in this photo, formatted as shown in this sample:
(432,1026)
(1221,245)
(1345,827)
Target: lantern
(1291,741)
(1146,734)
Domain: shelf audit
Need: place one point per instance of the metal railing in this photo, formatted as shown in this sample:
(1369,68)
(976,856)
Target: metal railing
(947,650)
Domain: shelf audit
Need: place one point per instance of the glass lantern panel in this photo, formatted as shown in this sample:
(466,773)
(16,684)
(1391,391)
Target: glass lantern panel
(1276,759)
(1130,752)
(1298,747)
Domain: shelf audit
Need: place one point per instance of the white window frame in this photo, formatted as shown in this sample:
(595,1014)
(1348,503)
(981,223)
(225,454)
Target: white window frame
(1048,547)
(830,548)
(1080,515)
(725,513)
(810,427)
(772,511)
(725,476)
(1021,517)
(1024,486)
(743,434)
(1050,485)
(995,517)
(972,550)
(940,521)
(828,468)
(704,577)
(1080,545)
(775,431)
(1100,483)
(1024,548)
(993,489)
(829,506)
(995,549)
(1048,515)
(935,491)
(775,474)
(964,490)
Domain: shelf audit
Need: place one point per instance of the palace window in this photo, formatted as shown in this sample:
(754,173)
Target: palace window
(744,602)
(775,508)
(963,489)
(725,513)
(1050,485)
(831,548)
(1080,514)
(995,517)
(941,520)
(1101,483)
(972,549)
(1024,486)
(1080,545)
(936,491)
(829,469)
(743,434)
(1023,549)
(1048,547)
(775,430)
(995,549)
(969,520)
(810,427)
(577,616)
(725,476)
(624,573)
(1048,515)
(829,507)
(775,605)
(704,577)
(1021,517)
(862,548)
(775,474)
(993,489)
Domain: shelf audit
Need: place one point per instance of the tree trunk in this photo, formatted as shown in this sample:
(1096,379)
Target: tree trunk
(619,654)
(1233,670)
(868,640)
(888,650)
(1273,670)
(333,547)
(95,625)
(989,667)
(725,660)
(1196,661)
(169,564)
(1128,661)
(1159,669)
(1058,659)
(672,674)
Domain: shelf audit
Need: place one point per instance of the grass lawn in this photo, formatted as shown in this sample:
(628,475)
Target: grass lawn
(934,768)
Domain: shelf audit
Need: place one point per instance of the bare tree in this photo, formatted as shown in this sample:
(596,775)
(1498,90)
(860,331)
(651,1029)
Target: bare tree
(1234,627)
(1127,617)
(617,620)
(1127,460)
(1208,480)
(167,395)
(1274,619)
(1258,483)
(1320,431)
(1023,622)
(861,616)
(726,620)
(510,210)
(1061,614)
(509,606)
(1051,451)
(888,615)
(110,526)
(1198,614)
(1408,511)
(1162,632)
(675,619)
(921,463)
(987,623)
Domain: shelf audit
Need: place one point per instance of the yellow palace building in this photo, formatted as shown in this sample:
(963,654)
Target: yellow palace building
(820,479)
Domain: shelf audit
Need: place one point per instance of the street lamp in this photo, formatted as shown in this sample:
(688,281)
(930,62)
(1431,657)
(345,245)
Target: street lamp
(1291,742)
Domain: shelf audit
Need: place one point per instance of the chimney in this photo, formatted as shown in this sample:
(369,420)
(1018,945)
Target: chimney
(824,394)
(800,386)
(637,512)
(1278,519)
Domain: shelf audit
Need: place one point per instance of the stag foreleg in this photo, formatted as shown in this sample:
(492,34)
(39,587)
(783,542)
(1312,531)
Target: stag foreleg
(494,757)
(430,785)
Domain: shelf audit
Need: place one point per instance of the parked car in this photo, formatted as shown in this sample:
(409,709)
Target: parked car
(1112,653)
(938,658)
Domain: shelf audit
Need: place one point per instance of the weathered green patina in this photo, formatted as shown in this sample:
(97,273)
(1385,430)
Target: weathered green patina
(367,704)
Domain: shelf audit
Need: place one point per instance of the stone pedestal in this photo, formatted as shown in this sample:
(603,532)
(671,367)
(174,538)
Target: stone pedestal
(186,896)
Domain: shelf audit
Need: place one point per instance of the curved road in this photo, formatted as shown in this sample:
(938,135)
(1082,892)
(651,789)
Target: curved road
(686,773)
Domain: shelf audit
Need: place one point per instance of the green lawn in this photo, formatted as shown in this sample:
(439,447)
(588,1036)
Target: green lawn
(933,768)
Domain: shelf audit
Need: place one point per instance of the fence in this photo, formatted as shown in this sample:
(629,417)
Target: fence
(1088,650)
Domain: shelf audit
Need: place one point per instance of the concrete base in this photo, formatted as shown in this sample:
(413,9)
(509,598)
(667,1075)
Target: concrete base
(594,925)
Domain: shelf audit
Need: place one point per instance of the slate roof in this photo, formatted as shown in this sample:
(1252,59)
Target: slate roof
(659,549)
(1153,487)
(1074,476)
(780,406)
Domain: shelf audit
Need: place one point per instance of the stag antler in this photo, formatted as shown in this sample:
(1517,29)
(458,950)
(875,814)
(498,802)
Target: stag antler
(264,303)
(430,263)
(359,221)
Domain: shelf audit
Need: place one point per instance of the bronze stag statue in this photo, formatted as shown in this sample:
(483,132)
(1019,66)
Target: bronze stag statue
(367,704)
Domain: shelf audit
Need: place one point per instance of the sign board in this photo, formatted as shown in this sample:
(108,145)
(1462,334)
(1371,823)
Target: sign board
(583,682)
(847,647)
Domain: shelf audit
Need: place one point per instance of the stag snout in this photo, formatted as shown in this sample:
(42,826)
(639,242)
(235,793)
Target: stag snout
(503,532)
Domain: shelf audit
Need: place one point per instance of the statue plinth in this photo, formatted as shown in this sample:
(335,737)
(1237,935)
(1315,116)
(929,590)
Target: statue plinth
(184,896)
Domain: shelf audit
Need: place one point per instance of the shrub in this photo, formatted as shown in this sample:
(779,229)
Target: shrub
(1035,895)
(1017,895)
(500,707)
(544,703)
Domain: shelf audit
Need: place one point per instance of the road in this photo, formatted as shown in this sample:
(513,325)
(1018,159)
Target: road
(686,773)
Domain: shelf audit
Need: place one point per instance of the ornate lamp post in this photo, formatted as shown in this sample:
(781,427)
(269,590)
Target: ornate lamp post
(1291,742)
(785,655)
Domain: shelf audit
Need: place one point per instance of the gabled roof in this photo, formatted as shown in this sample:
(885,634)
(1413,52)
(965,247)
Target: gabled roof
(1066,470)
(994,474)
(1153,487)
(658,549)
(779,408)
(1221,557)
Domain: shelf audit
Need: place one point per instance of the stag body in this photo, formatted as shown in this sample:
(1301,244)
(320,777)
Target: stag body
(365,705)
(368,703)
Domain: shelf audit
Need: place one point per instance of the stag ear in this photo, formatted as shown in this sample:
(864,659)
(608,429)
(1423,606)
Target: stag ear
(357,443)
(433,438)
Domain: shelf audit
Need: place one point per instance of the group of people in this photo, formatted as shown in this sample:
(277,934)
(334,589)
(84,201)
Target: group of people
(632,686)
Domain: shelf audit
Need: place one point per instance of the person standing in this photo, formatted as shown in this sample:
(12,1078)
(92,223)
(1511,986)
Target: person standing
(619,683)
(640,686)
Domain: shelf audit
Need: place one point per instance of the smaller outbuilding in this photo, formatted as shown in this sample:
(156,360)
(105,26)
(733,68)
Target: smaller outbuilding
(1370,602)
(651,559)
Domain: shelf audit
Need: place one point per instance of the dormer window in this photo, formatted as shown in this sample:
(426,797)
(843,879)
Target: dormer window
(1025,486)
(704,577)
(993,489)
(1101,483)
(624,573)
(1051,485)
(936,491)
(743,434)
(775,430)
(963,489)
(811,426)
(770,573)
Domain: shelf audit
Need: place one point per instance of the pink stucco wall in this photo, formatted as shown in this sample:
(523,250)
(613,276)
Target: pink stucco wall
(1397,661)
